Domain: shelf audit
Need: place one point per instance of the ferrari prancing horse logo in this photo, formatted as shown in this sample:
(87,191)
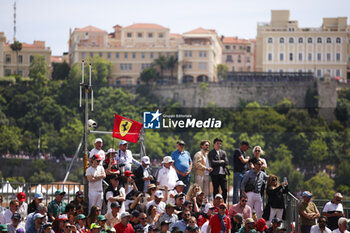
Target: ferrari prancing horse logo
(124,127)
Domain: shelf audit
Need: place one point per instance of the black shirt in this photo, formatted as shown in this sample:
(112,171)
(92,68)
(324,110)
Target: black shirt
(238,166)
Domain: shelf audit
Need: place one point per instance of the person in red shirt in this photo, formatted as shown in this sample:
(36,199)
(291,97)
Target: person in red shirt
(124,226)
(220,222)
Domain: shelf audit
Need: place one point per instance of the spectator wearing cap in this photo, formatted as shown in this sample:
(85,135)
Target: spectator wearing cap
(248,226)
(240,160)
(47,228)
(79,200)
(169,214)
(252,184)
(3,228)
(16,223)
(130,188)
(220,222)
(134,220)
(308,212)
(179,188)
(217,201)
(6,216)
(143,174)
(124,226)
(114,216)
(95,228)
(97,150)
(81,224)
(42,209)
(199,202)
(182,224)
(333,210)
(101,220)
(153,229)
(115,193)
(241,208)
(38,223)
(110,164)
(59,224)
(201,166)
(33,206)
(23,206)
(167,175)
(182,164)
(218,161)
(157,202)
(276,223)
(321,226)
(205,216)
(124,157)
(165,226)
(342,226)
(260,225)
(95,174)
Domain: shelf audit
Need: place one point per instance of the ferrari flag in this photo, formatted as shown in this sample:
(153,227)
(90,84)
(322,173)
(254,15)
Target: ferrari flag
(126,129)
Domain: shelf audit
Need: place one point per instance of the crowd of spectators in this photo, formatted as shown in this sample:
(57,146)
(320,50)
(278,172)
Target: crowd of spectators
(124,197)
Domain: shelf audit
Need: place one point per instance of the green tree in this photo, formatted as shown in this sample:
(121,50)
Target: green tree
(222,71)
(41,177)
(10,138)
(16,47)
(39,73)
(60,70)
(70,135)
(149,75)
(318,150)
(16,181)
(161,63)
(321,186)
(171,63)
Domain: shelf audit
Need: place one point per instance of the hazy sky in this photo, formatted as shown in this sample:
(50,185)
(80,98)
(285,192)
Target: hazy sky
(51,20)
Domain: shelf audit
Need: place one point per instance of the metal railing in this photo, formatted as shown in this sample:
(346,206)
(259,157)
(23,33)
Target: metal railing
(292,215)
(9,191)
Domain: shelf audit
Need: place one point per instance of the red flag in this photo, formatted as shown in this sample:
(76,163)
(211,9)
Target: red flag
(126,129)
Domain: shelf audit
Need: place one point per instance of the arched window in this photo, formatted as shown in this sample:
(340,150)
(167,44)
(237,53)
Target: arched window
(338,40)
(329,40)
(300,40)
(309,40)
(281,40)
(291,40)
(319,40)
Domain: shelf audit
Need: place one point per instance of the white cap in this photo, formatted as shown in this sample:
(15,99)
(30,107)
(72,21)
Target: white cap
(179,182)
(338,195)
(111,150)
(146,160)
(207,207)
(122,142)
(98,140)
(125,214)
(159,194)
(167,159)
(218,195)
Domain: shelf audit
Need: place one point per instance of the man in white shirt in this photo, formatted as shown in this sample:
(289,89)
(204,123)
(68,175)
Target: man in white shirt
(343,225)
(167,175)
(158,196)
(97,150)
(321,227)
(95,174)
(124,156)
(5,216)
(333,210)
(179,187)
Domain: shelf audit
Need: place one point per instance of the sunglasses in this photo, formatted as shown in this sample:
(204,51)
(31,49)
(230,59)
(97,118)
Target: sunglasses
(187,214)
(259,164)
(322,221)
(274,179)
(244,200)
(206,144)
(143,218)
(222,208)
(257,151)
(98,210)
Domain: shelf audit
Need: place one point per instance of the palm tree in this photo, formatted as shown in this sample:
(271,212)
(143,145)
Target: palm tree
(161,62)
(16,47)
(171,63)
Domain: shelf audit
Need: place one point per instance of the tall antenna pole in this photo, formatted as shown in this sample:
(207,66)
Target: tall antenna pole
(14,21)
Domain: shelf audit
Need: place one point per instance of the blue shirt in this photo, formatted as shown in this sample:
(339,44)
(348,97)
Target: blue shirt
(181,160)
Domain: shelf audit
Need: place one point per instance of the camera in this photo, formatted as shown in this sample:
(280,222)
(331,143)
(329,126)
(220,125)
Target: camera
(92,123)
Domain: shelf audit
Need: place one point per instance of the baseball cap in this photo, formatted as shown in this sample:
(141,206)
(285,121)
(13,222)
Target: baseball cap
(170,205)
(218,196)
(223,205)
(179,182)
(159,194)
(3,227)
(16,216)
(338,195)
(101,218)
(199,193)
(164,222)
(97,157)
(79,194)
(181,142)
(179,195)
(128,173)
(62,217)
(152,228)
(249,220)
(122,142)
(135,213)
(60,192)
(167,159)
(21,196)
(207,207)
(276,220)
(38,215)
(81,216)
(46,225)
(307,194)
(115,205)
(191,228)
(39,196)
(98,140)
(125,214)
(146,160)
(110,150)
(95,226)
